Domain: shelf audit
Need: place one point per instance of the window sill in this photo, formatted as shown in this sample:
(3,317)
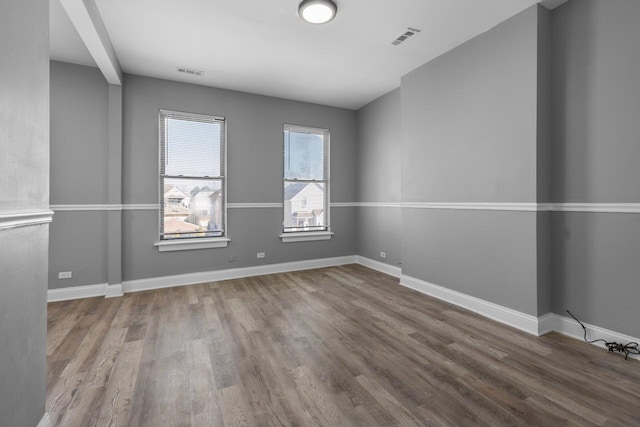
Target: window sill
(305,236)
(190,244)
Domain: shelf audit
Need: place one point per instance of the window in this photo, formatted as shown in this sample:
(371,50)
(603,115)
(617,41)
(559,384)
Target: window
(192,179)
(306,181)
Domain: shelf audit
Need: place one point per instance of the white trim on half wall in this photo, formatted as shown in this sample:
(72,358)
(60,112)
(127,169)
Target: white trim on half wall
(24,218)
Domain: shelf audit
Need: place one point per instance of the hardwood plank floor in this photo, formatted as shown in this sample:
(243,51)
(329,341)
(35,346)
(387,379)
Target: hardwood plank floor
(342,346)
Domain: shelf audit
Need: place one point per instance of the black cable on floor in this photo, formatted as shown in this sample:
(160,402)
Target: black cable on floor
(630,348)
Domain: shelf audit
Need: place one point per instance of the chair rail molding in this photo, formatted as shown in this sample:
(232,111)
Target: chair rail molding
(24,218)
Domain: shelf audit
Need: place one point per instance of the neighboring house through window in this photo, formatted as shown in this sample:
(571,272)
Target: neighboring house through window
(306,179)
(192,177)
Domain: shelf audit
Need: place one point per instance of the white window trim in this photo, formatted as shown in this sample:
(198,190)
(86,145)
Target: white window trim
(305,236)
(190,244)
(197,242)
(308,236)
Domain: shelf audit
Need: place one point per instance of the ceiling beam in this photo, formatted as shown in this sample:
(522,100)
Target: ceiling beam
(86,19)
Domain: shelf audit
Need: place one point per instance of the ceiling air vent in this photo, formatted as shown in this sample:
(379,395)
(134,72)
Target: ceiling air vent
(410,32)
(190,71)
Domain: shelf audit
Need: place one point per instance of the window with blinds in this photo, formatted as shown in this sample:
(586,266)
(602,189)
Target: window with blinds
(192,175)
(306,179)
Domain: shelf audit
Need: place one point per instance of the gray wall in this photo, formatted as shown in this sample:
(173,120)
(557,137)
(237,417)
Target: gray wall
(379,179)
(379,149)
(596,100)
(255,166)
(596,105)
(79,113)
(543,160)
(24,184)
(487,254)
(78,244)
(78,135)
(470,134)
(469,119)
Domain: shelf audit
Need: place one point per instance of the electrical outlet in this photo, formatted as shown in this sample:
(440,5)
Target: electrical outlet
(383,254)
(232,258)
(260,255)
(64,275)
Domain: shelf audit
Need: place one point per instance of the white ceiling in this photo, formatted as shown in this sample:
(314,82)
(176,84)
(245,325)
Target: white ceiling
(263,47)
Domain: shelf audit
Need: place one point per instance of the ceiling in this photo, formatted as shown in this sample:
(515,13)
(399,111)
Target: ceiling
(263,47)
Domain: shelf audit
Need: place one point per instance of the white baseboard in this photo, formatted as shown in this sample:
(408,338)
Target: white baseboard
(538,326)
(508,316)
(45,421)
(391,270)
(232,273)
(110,291)
(113,291)
(76,292)
(569,327)
(546,323)
(87,291)
(533,325)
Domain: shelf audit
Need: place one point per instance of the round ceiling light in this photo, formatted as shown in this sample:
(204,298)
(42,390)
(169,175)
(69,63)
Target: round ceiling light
(317,11)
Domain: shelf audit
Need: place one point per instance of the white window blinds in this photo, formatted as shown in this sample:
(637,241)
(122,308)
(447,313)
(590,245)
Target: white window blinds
(192,175)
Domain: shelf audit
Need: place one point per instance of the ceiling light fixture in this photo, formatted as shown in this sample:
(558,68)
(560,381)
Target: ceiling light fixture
(317,11)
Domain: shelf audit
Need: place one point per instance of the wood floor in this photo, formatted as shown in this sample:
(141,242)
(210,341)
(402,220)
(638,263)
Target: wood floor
(343,346)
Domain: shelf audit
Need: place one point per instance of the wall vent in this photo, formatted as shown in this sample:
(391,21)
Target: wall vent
(190,71)
(409,33)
